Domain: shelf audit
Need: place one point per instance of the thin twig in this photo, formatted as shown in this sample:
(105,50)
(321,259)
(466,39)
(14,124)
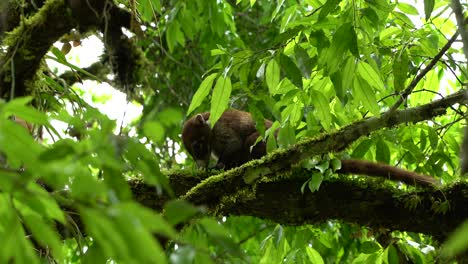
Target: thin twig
(404,95)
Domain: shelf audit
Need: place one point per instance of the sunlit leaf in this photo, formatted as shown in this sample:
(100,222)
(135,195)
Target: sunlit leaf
(279,4)
(400,70)
(286,136)
(362,148)
(291,70)
(316,181)
(322,109)
(428,8)
(45,234)
(272,75)
(457,242)
(177,211)
(202,92)
(364,93)
(372,77)
(408,9)
(314,255)
(154,130)
(382,151)
(328,7)
(220,98)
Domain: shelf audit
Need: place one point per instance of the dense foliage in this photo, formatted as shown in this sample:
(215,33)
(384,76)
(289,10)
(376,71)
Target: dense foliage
(312,66)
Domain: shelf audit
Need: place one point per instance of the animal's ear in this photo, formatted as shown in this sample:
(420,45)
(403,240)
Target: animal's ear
(200,119)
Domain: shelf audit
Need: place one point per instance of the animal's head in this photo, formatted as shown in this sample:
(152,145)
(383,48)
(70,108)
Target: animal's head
(196,138)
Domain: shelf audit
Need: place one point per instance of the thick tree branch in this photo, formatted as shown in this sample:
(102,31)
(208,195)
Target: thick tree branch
(353,200)
(28,43)
(32,38)
(269,189)
(282,160)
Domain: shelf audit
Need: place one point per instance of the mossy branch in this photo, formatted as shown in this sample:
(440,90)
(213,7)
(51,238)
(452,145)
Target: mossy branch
(216,187)
(32,38)
(358,200)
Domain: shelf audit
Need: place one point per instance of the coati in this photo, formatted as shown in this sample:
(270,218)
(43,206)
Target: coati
(230,140)
(232,137)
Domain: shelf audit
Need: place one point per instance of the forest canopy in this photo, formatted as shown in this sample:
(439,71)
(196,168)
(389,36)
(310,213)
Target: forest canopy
(367,149)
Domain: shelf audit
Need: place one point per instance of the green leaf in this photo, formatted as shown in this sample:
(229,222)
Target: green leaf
(279,4)
(146,8)
(433,137)
(315,182)
(278,235)
(102,229)
(40,204)
(382,151)
(369,247)
(45,234)
(220,98)
(18,107)
(179,211)
(411,147)
(153,222)
(367,73)
(314,256)
(428,8)
(304,61)
(344,39)
(124,232)
(286,136)
(362,148)
(183,255)
(292,113)
(328,7)
(286,20)
(348,72)
(170,116)
(392,255)
(157,5)
(291,70)
(271,144)
(272,76)
(365,94)
(285,86)
(423,140)
(14,139)
(154,131)
(215,52)
(457,242)
(400,70)
(323,166)
(306,183)
(174,35)
(403,20)
(337,81)
(221,237)
(408,9)
(258,117)
(335,164)
(74,67)
(322,109)
(202,92)
(59,150)
(58,54)
(94,254)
